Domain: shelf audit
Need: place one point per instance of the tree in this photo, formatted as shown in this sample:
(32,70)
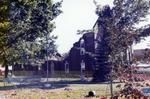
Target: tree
(28,20)
(4,24)
(118,33)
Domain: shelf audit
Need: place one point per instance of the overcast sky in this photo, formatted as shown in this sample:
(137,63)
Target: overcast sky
(77,15)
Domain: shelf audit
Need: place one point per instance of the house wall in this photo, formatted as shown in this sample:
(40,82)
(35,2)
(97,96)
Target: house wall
(141,55)
(74,58)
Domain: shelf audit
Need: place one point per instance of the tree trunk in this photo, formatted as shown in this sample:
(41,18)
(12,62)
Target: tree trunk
(6,71)
(6,68)
(5,62)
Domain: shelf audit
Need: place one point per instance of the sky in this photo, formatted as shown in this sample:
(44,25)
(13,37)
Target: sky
(77,15)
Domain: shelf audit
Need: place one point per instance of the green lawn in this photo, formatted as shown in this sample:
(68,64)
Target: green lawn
(76,91)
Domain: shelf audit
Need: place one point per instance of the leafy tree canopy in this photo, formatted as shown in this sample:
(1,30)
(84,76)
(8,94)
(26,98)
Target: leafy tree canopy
(118,33)
(120,21)
(22,22)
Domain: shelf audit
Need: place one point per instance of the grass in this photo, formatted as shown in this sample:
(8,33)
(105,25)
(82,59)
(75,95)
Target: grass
(76,91)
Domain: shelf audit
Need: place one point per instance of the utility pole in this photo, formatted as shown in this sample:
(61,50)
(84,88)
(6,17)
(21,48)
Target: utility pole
(47,64)
(47,72)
